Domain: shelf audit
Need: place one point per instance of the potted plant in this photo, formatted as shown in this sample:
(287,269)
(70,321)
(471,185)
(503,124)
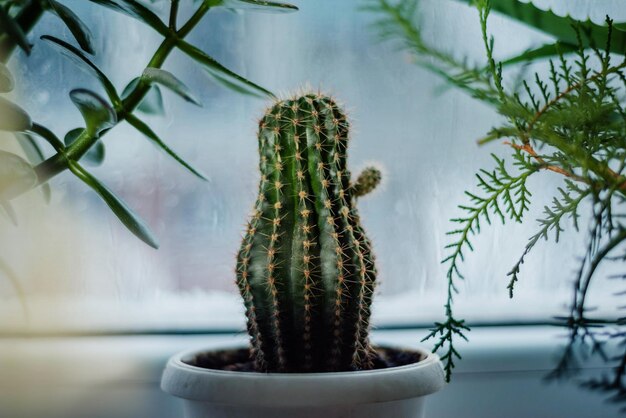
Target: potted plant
(567,119)
(306,273)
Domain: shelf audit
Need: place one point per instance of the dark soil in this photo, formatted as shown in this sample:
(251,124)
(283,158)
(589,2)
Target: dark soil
(239,359)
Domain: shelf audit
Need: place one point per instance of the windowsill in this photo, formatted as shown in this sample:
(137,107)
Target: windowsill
(502,370)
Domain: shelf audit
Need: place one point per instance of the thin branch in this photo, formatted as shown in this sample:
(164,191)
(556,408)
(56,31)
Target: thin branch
(531,151)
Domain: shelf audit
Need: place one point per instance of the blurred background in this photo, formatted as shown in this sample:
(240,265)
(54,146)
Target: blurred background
(81,270)
(83,274)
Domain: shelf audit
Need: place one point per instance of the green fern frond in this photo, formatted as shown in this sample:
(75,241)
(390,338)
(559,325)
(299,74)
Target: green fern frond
(446,332)
(564,205)
(569,120)
(398,21)
(505,196)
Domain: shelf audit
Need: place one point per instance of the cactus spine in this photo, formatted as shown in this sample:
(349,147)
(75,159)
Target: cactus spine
(305,268)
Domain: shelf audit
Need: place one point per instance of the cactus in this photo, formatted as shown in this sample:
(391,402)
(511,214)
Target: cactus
(305,268)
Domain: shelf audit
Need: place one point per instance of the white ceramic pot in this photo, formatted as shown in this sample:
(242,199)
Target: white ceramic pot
(396,392)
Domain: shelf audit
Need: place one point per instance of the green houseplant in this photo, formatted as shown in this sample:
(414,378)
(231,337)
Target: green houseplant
(307,274)
(305,270)
(567,119)
(47,154)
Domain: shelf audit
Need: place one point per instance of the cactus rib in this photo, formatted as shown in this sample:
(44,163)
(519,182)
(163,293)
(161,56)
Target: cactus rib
(305,268)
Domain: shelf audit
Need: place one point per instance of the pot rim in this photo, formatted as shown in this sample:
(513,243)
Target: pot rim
(302,389)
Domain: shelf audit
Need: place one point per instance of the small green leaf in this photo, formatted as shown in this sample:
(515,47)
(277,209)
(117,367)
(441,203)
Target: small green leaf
(35,155)
(233,85)
(84,63)
(544,51)
(222,74)
(49,136)
(31,148)
(169,81)
(97,113)
(95,155)
(149,133)
(133,222)
(257,6)
(557,26)
(79,30)
(137,11)
(12,117)
(72,136)
(16,176)
(8,210)
(7,82)
(14,30)
(152,103)
(130,87)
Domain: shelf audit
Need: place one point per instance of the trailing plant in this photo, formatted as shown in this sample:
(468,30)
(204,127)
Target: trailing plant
(305,268)
(568,120)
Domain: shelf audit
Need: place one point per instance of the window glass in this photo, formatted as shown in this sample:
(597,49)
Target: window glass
(81,269)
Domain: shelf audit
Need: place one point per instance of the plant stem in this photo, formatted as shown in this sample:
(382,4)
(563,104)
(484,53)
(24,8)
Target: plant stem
(136,96)
(58,162)
(589,162)
(26,19)
(194,20)
(173,14)
(531,151)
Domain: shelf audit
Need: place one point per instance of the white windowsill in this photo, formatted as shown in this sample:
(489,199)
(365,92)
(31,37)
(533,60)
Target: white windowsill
(110,377)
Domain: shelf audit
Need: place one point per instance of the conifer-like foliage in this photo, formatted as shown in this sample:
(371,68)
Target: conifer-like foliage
(570,120)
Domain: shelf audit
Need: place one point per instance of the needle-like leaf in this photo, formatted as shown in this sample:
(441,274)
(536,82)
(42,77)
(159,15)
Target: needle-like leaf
(257,6)
(133,222)
(137,11)
(169,81)
(84,63)
(149,133)
(544,51)
(79,30)
(222,74)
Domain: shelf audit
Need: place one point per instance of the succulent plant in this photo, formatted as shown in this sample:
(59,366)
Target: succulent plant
(101,114)
(306,268)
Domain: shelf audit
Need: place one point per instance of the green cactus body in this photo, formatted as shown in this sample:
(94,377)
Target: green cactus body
(305,268)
